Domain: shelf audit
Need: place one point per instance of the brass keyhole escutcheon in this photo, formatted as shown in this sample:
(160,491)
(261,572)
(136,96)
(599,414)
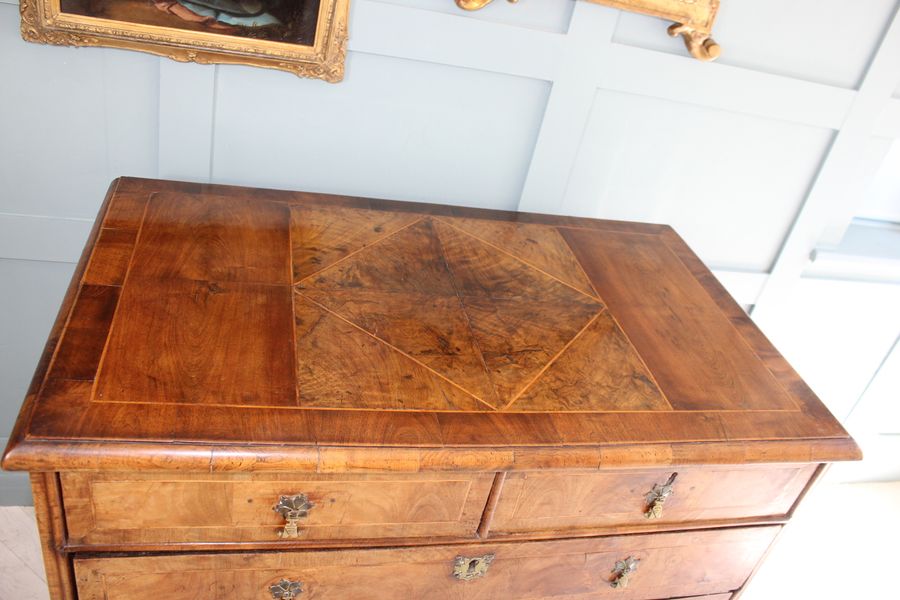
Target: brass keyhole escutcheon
(658,496)
(467,568)
(292,509)
(623,571)
(286,589)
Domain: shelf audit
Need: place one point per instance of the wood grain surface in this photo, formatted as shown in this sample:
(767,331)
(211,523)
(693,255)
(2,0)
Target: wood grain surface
(671,565)
(168,509)
(48,512)
(281,323)
(538,246)
(321,236)
(564,502)
(699,359)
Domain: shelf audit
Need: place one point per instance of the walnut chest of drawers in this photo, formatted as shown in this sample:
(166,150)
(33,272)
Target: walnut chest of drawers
(257,394)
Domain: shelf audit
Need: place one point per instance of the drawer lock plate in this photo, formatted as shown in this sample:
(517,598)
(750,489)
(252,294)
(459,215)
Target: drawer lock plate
(286,589)
(467,568)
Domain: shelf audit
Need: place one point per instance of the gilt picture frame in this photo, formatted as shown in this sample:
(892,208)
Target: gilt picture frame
(693,21)
(305,37)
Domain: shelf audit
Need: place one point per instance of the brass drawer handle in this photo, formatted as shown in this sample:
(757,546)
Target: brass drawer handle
(622,571)
(467,568)
(292,509)
(286,589)
(658,496)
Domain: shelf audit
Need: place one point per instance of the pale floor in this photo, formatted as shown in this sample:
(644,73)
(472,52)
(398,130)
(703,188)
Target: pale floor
(840,545)
(21,566)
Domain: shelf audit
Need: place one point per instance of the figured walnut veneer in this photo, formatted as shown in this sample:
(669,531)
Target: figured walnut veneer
(286,318)
(460,388)
(120,509)
(672,566)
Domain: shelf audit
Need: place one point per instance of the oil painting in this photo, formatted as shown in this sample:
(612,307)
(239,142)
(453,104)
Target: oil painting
(306,37)
(290,21)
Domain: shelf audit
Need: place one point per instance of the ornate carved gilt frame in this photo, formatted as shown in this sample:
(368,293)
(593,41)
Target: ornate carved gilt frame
(43,22)
(693,19)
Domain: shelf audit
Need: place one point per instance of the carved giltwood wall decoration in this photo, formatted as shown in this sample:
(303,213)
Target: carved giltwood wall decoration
(693,19)
(305,37)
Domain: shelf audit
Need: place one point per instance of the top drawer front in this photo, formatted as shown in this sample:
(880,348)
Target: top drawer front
(171,508)
(545,501)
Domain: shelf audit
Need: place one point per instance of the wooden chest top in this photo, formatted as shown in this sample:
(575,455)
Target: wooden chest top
(230,328)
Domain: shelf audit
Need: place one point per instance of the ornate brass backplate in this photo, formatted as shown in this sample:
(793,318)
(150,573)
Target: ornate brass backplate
(467,568)
(657,497)
(292,508)
(693,19)
(286,589)
(44,21)
(622,571)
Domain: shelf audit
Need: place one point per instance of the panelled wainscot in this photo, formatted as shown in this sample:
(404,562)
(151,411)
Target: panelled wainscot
(258,394)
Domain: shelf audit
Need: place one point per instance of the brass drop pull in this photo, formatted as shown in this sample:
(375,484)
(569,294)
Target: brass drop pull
(292,508)
(468,568)
(658,496)
(622,571)
(286,589)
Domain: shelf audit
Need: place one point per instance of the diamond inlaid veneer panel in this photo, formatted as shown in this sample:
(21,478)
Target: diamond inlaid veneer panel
(471,314)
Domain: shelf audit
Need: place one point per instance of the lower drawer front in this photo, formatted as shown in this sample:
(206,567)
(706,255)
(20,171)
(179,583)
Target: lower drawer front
(671,565)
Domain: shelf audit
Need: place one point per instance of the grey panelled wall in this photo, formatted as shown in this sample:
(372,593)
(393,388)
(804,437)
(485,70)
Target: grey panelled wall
(30,293)
(395,128)
(547,105)
(71,118)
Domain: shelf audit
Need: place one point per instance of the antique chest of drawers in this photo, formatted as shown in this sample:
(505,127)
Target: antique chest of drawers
(258,394)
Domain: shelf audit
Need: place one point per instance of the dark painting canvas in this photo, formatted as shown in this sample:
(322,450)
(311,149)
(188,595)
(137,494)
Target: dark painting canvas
(290,21)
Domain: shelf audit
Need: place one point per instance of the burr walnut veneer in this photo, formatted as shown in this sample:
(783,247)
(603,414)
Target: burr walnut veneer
(258,394)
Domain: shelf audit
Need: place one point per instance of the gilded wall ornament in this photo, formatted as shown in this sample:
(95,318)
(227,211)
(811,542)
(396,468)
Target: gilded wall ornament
(693,19)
